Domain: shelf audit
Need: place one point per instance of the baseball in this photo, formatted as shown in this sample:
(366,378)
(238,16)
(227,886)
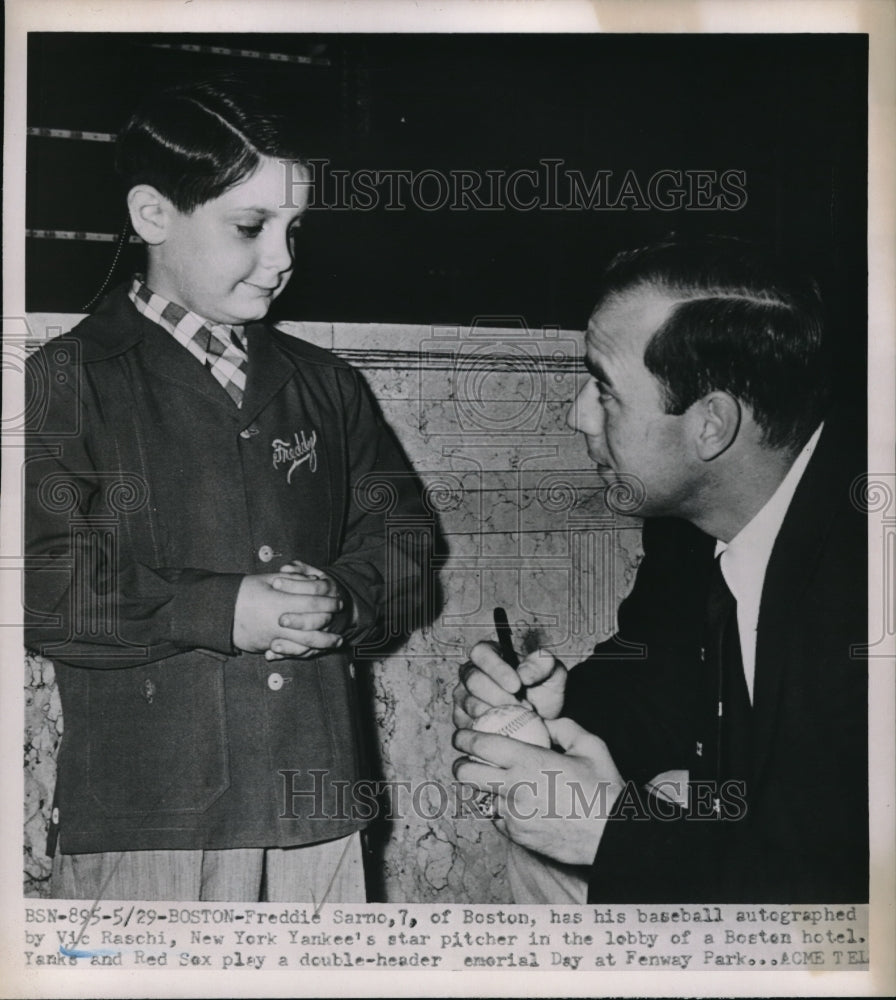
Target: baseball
(515,721)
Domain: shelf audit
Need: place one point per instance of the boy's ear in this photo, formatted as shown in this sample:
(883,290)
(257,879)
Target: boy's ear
(150,213)
(718,418)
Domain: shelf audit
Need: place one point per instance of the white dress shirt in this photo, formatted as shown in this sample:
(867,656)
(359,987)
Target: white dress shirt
(744,559)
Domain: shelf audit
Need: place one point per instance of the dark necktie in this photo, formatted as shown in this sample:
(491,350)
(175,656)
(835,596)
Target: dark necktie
(728,701)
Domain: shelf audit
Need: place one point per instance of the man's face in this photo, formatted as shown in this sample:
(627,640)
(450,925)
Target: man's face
(620,409)
(228,259)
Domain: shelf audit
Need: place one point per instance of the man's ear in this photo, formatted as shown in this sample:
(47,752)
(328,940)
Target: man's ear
(150,213)
(718,422)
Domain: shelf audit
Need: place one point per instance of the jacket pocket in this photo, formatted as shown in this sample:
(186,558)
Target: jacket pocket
(157,740)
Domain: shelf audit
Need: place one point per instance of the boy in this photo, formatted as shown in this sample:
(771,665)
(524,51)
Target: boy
(209,702)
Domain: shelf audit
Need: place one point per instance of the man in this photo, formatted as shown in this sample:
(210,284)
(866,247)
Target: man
(716,748)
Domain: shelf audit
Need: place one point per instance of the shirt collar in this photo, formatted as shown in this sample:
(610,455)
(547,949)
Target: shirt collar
(746,556)
(181,323)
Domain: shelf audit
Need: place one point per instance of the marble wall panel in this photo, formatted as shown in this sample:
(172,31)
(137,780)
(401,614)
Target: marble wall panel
(42,731)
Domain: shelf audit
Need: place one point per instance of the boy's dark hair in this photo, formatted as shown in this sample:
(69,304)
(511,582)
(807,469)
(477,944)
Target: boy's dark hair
(748,324)
(195,141)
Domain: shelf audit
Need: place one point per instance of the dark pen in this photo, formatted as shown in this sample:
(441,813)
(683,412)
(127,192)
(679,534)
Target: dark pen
(505,645)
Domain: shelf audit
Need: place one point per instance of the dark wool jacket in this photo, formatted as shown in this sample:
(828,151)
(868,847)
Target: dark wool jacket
(804,837)
(149,496)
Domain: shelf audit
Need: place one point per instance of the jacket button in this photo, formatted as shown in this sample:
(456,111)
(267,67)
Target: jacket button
(275,681)
(54,817)
(248,432)
(265,553)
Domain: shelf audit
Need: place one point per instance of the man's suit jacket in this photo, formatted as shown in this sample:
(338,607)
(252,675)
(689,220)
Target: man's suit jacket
(803,834)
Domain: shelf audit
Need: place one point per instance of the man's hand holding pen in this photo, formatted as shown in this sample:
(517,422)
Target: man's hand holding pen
(552,802)
(486,680)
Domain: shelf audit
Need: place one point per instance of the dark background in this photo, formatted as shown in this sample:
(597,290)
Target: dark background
(790,111)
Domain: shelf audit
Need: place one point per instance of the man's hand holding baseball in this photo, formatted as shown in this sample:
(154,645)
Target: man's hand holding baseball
(553,803)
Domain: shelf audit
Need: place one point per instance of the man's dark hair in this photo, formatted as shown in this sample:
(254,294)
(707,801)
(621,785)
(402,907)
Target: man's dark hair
(746,323)
(194,142)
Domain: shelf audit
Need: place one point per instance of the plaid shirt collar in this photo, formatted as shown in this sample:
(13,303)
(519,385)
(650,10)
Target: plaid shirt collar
(181,323)
(220,347)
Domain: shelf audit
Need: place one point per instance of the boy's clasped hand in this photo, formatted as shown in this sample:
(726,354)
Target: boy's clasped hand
(287,614)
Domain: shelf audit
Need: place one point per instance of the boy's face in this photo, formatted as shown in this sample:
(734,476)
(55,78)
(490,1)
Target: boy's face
(228,259)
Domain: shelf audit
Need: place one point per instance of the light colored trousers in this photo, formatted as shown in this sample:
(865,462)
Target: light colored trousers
(330,872)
